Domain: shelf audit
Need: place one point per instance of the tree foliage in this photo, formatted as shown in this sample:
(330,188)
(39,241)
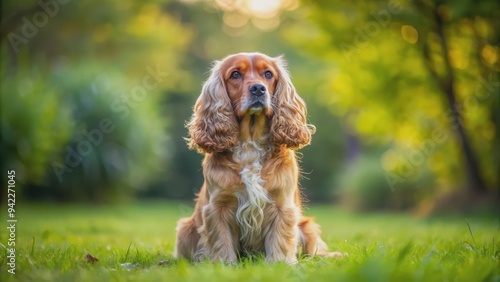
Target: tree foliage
(420,78)
(404,94)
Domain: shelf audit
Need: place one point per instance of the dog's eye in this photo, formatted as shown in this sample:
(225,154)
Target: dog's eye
(268,75)
(235,74)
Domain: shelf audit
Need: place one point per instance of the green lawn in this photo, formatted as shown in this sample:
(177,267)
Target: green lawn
(134,242)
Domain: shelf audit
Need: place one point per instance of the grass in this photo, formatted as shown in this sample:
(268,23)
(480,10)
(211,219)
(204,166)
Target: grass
(134,242)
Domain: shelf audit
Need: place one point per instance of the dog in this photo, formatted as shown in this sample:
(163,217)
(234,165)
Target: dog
(248,122)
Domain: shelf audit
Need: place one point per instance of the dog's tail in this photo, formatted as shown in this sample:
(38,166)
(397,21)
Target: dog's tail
(311,241)
(187,238)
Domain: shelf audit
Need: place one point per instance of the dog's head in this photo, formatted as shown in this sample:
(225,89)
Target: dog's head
(248,84)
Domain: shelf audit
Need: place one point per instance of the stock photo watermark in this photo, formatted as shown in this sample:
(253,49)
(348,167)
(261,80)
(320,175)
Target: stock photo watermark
(371,29)
(93,138)
(11,221)
(31,25)
(409,164)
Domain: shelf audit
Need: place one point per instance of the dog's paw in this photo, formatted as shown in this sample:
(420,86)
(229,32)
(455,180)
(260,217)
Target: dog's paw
(291,260)
(336,255)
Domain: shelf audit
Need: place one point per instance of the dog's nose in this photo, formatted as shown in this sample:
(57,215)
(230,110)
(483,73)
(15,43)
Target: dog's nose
(257,89)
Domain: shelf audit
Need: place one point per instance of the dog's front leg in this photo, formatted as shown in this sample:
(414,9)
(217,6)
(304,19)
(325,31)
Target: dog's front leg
(220,232)
(281,239)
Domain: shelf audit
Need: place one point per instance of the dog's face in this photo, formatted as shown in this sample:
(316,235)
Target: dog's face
(241,87)
(250,82)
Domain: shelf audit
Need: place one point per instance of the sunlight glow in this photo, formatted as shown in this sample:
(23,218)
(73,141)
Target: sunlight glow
(235,20)
(264,8)
(263,14)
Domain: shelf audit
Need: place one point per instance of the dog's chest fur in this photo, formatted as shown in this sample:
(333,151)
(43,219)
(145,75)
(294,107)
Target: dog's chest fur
(253,199)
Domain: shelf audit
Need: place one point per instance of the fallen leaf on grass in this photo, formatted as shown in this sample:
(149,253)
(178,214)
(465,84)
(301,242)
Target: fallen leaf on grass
(91,258)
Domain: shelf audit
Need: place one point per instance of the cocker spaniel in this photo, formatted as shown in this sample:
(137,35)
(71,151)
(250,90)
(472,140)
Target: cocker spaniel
(248,121)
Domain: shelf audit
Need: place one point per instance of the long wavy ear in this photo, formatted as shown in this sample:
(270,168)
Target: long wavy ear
(213,126)
(289,126)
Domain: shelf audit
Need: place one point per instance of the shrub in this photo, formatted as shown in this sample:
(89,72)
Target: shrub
(119,141)
(34,126)
(363,186)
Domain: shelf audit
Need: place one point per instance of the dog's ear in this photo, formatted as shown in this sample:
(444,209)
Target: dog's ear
(213,126)
(289,125)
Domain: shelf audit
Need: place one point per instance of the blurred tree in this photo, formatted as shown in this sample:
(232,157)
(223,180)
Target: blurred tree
(412,74)
(439,16)
(389,81)
(110,65)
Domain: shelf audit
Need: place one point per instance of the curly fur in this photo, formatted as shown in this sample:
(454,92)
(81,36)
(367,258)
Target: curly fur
(250,199)
(251,202)
(289,126)
(213,126)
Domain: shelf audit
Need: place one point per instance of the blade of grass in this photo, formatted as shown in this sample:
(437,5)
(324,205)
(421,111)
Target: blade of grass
(405,251)
(128,251)
(470,231)
(32,250)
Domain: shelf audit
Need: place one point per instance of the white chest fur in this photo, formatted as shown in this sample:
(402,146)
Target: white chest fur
(251,201)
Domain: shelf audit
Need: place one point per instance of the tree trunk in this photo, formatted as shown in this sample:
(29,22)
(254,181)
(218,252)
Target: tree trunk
(477,185)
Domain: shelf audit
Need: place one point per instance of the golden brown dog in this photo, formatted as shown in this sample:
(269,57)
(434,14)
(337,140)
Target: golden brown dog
(248,120)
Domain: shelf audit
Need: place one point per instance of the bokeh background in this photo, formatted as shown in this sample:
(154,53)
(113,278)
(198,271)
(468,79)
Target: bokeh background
(404,95)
